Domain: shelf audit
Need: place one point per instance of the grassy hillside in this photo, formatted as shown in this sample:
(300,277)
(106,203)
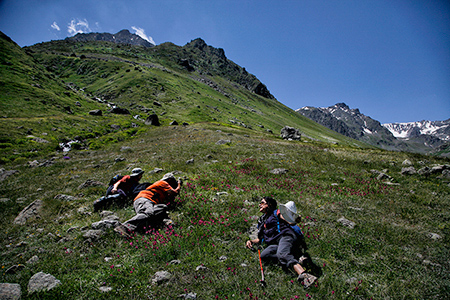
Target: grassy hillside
(390,253)
(50,88)
(397,249)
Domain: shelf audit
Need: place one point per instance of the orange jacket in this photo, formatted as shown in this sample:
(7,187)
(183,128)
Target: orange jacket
(158,192)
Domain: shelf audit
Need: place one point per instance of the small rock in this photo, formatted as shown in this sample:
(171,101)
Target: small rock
(201,267)
(175,262)
(223,142)
(347,223)
(434,236)
(93,235)
(65,197)
(278,171)
(105,289)
(407,162)
(10,291)
(42,281)
(34,259)
(188,296)
(160,277)
(408,171)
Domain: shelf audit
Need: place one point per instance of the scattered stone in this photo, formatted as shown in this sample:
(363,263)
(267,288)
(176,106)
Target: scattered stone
(152,120)
(65,197)
(223,142)
(161,277)
(290,133)
(222,193)
(96,112)
(90,183)
(105,289)
(4,173)
(42,281)
(3,200)
(190,161)
(407,162)
(408,171)
(156,170)
(347,223)
(175,262)
(120,111)
(424,171)
(93,235)
(201,267)
(434,236)
(173,123)
(103,225)
(31,211)
(10,291)
(223,258)
(279,171)
(188,296)
(34,259)
(126,149)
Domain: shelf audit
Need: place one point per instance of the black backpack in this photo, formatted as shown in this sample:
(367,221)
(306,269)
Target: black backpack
(115,179)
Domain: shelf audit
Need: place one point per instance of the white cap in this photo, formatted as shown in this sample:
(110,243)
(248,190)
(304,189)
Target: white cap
(289,212)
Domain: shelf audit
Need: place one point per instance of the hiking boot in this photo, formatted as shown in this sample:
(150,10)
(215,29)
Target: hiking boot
(168,222)
(123,231)
(306,279)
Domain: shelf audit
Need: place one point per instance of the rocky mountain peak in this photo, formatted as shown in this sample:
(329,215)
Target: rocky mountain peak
(122,37)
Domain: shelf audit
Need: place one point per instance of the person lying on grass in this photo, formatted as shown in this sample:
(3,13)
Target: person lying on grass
(275,229)
(150,205)
(120,191)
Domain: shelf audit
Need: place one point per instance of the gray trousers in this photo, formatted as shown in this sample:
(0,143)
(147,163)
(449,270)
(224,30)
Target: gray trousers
(147,213)
(281,252)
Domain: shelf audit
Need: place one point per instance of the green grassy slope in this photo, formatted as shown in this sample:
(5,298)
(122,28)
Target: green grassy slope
(386,254)
(398,248)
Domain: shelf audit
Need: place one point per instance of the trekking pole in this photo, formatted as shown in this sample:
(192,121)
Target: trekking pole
(263,282)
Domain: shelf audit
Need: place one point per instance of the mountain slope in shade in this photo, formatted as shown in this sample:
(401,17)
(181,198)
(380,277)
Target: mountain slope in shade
(122,37)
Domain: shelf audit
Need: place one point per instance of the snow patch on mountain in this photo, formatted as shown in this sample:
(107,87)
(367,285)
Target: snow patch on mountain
(439,129)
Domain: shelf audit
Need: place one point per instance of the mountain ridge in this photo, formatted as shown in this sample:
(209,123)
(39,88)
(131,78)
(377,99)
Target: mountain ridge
(418,137)
(122,37)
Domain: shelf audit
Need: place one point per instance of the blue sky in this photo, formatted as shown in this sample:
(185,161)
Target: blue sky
(390,59)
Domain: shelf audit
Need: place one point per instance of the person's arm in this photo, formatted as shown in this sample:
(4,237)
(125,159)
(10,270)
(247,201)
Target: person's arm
(116,187)
(249,243)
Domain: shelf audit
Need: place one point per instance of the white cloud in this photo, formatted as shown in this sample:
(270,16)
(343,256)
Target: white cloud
(79,26)
(55,26)
(140,32)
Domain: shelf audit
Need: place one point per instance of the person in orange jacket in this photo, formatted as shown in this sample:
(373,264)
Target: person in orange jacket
(150,205)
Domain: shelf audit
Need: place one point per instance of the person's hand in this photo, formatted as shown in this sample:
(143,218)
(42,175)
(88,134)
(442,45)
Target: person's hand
(180,180)
(249,244)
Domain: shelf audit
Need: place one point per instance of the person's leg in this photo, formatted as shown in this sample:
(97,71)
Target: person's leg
(269,254)
(285,251)
(146,211)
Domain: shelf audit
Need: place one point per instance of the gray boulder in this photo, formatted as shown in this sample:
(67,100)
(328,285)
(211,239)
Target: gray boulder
(10,291)
(290,133)
(31,211)
(161,277)
(152,120)
(42,281)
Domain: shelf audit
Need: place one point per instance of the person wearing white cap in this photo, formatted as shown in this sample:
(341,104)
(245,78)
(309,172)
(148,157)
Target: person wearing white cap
(276,230)
(150,205)
(120,191)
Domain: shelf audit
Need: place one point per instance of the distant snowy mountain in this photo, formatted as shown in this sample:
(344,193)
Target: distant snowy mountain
(439,129)
(419,137)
